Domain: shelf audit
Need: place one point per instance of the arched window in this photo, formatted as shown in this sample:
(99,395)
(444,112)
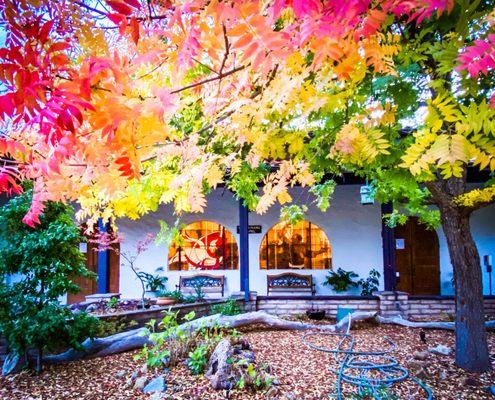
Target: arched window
(205,245)
(300,246)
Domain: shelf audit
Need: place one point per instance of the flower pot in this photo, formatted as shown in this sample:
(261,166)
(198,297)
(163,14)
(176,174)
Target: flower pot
(165,301)
(151,294)
(316,315)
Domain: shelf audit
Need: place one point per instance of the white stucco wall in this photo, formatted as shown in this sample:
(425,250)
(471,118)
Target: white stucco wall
(354,232)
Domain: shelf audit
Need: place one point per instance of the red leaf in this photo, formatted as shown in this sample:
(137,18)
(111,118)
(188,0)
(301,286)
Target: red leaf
(134,25)
(65,120)
(59,46)
(45,31)
(116,18)
(134,3)
(121,8)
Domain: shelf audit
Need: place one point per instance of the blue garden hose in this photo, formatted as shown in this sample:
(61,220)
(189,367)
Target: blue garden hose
(369,371)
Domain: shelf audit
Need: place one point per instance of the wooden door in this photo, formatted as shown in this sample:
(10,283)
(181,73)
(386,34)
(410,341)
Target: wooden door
(88,286)
(417,258)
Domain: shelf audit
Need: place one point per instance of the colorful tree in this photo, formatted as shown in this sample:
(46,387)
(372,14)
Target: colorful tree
(125,104)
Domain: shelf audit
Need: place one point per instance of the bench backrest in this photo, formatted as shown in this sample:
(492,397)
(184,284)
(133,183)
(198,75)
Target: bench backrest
(204,281)
(289,280)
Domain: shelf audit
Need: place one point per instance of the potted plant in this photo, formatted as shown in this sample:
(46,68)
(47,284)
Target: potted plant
(341,280)
(153,283)
(315,314)
(165,298)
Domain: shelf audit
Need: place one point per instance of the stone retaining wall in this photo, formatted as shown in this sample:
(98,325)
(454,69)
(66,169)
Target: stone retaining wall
(141,317)
(294,305)
(421,306)
(385,303)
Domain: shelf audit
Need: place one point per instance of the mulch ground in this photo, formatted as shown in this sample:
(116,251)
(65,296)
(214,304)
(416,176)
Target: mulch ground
(303,373)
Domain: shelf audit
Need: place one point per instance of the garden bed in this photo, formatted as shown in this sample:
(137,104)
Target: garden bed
(299,371)
(138,317)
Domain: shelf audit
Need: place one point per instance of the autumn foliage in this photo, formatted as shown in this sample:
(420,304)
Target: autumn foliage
(125,105)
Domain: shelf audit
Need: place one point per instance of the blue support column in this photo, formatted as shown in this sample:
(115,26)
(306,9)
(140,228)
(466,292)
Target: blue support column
(103,263)
(388,244)
(244,248)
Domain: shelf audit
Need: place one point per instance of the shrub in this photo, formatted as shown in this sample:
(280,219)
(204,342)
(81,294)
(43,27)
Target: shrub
(370,284)
(341,280)
(197,359)
(229,308)
(173,343)
(44,260)
(153,283)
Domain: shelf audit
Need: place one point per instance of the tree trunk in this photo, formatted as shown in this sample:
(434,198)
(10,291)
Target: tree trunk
(471,341)
(39,361)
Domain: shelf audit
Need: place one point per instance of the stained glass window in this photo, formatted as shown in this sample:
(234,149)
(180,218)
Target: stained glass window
(205,245)
(300,246)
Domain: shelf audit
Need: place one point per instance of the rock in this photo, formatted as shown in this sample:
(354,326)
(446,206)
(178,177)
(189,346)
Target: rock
(158,396)
(157,384)
(418,369)
(219,368)
(128,382)
(143,370)
(421,355)
(415,365)
(468,381)
(443,375)
(441,350)
(140,382)
(247,355)
(134,375)
(92,308)
(120,374)
(12,364)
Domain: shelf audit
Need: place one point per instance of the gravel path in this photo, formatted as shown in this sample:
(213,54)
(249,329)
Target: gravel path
(303,373)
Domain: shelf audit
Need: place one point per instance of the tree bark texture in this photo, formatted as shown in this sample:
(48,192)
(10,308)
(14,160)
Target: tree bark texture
(471,339)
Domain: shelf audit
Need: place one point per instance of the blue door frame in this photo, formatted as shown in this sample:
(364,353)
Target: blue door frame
(103,262)
(244,248)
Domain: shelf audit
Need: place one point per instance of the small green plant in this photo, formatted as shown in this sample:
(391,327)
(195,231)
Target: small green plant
(174,294)
(111,326)
(252,378)
(112,302)
(229,308)
(154,283)
(369,393)
(341,280)
(370,284)
(197,359)
(199,295)
(171,342)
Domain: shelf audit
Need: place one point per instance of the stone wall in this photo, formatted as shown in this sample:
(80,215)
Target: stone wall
(387,304)
(294,305)
(141,317)
(421,306)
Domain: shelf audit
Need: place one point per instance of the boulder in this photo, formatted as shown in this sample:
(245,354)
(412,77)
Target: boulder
(219,368)
(441,350)
(140,382)
(420,355)
(157,384)
(120,374)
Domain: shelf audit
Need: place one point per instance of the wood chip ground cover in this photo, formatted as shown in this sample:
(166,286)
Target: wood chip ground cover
(303,373)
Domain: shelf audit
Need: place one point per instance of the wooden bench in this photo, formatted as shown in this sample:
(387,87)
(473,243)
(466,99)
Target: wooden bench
(290,282)
(207,283)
